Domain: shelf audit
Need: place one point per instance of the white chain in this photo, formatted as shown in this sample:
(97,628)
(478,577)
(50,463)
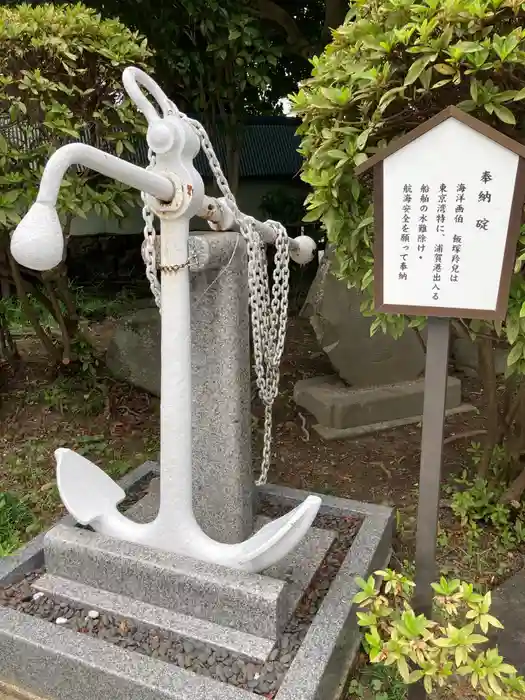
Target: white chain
(149,253)
(269,307)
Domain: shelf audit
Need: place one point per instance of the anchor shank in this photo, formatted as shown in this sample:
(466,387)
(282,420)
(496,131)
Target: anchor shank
(175,414)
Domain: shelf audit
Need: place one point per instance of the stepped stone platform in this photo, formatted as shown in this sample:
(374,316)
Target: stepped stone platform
(84,616)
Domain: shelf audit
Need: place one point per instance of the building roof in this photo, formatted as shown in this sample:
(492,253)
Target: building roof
(447,113)
(269,147)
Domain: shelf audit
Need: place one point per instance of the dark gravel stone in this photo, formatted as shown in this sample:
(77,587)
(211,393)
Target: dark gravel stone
(264,686)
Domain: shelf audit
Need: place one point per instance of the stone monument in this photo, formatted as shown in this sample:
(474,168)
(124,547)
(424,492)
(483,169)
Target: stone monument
(175,598)
(378,382)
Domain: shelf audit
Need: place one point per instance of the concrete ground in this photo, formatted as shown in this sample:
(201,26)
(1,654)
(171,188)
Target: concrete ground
(508,605)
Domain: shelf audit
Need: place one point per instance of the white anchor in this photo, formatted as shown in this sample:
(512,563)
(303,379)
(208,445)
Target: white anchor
(176,193)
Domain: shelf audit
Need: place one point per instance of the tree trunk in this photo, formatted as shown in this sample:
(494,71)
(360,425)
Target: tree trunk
(234,166)
(233,135)
(515,489)
(487,368)
(28,310)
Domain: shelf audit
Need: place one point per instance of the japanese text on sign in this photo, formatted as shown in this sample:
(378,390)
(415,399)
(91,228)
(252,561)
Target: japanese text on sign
(447,199)
(442,246)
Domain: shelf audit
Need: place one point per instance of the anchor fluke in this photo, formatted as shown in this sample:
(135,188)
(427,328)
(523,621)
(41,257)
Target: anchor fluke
(277,538)
(85,489)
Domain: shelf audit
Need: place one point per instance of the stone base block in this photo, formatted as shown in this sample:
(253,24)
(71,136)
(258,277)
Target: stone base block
(233,610)
(362,430)
(336,405)
(247,602)
(58,663)
(297,569)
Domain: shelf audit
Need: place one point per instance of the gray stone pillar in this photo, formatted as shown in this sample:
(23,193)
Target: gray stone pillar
(222,465)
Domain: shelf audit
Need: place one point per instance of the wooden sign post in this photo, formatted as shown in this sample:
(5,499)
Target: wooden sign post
(448,203)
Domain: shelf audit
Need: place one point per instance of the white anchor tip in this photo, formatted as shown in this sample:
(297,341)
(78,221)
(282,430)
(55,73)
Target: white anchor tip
(276,539)
(37,242)
(86,490)
(303,250)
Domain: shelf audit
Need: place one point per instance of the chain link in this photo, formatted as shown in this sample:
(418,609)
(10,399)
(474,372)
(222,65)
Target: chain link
(149,253)
(268,305)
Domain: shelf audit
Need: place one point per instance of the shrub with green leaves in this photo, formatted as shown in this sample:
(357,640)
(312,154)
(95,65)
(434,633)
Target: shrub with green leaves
(60,80)
(391,66)
(435,651)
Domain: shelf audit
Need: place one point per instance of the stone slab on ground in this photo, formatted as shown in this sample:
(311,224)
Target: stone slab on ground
(247,602)
(61,664)
(361,430)
(343,333)
(508,605)
(216,637)
(336,405)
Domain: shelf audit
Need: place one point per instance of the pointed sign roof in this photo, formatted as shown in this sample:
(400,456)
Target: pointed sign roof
(447,113)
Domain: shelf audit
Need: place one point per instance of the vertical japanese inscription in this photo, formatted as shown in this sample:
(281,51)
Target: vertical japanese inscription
(422,228)
(436,270)
(484,198)
(441,213)
(405,231)
(457,239)
(437,222)
(441,217)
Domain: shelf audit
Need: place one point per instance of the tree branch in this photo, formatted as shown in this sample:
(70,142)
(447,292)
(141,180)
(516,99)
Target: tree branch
(270,10)
(335,14)
(30,312)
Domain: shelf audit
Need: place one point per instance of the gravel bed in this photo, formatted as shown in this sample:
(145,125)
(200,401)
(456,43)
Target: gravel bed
(260,678)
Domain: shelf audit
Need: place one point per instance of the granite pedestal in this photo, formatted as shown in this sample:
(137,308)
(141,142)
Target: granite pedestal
(234,612)
(295,622)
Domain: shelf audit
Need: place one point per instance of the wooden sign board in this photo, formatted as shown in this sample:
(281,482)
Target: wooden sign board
(448,202)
